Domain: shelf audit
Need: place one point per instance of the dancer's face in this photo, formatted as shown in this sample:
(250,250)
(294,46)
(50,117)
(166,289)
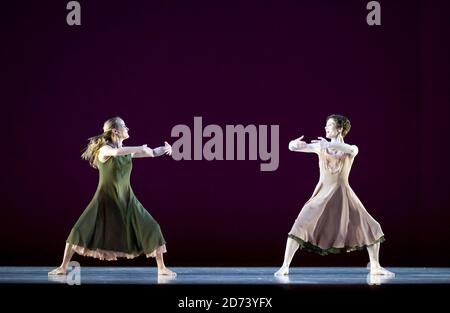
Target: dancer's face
(122,130)
(331,130)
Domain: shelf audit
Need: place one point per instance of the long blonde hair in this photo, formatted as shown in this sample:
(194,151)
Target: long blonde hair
(95,143)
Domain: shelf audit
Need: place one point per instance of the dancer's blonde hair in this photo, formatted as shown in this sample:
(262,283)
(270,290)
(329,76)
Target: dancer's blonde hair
(95,143)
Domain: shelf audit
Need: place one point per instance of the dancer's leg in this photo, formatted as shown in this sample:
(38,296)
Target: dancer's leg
(68,253)
(162,269)
(291,247)
(375,267)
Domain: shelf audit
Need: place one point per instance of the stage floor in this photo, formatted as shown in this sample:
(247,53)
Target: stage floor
(227,276)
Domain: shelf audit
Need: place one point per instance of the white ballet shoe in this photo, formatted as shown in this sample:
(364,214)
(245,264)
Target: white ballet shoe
(166,272)
(378,270)
(58,271)
(283,271)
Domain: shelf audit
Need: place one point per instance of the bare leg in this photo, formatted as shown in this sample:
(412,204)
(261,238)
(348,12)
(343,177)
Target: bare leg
(375,267)
(68,253)
(291,247)
(162,269)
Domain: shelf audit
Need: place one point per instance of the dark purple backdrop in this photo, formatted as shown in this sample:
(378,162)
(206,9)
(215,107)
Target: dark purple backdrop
(160,63)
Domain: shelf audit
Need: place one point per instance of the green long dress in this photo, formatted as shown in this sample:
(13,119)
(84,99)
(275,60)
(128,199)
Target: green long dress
(115,224)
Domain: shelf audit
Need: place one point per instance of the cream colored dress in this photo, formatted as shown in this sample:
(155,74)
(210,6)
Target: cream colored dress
(334,219)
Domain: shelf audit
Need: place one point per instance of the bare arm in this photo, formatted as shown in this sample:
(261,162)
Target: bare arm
(346,148)
(107,151)
(340,146)
(156,152)
(298,145)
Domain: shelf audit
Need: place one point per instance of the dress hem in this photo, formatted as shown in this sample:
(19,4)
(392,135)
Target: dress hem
(308,246)
(109,255)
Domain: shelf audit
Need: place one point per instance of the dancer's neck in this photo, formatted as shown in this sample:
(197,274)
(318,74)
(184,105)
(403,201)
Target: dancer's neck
(117,143)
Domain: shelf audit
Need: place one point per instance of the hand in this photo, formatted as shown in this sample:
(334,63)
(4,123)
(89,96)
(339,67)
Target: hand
(143,148)
(167,148)
(322,142)
(300,144)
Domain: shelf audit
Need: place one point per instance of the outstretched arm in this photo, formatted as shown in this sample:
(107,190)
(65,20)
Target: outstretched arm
(156,152)
(107,151)
(298,145)
(346,148)
(341,146)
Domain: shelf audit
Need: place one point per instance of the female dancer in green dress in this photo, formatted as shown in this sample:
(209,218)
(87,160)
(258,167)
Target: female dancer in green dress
(115,224)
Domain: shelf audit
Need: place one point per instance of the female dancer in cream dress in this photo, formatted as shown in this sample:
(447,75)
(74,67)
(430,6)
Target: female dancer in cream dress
(333,219)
